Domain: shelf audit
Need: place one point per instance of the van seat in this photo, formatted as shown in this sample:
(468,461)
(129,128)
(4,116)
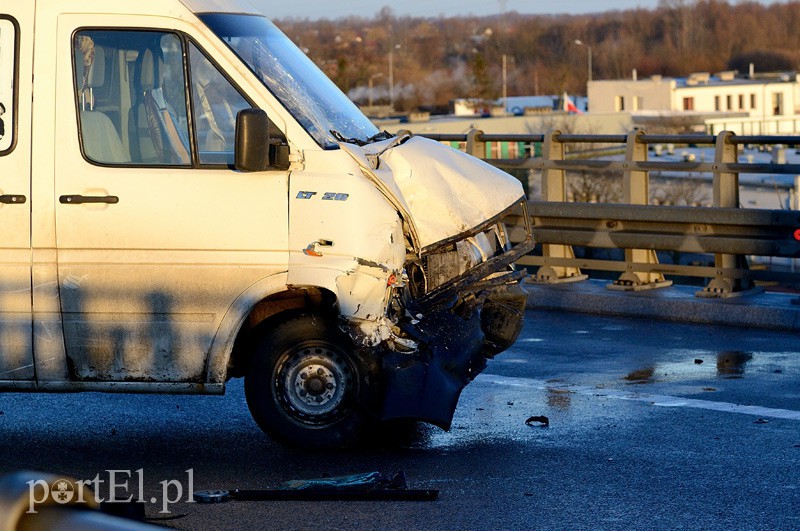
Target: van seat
(101,141)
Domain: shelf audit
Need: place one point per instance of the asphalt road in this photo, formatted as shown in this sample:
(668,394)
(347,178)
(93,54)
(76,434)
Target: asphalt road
(651,426)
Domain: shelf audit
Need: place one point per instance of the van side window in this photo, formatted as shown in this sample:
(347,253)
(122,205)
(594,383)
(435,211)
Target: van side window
(215,103)
(130,91)
(8,74)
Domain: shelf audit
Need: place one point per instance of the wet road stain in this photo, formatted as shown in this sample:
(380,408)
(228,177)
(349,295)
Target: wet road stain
(732,364)
(641,376)
(654,399)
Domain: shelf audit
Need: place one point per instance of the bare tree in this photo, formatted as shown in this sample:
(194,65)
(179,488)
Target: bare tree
(680,192)
(675,39)
(594,187)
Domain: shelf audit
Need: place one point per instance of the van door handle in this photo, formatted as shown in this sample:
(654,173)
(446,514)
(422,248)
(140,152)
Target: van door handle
(11,199)
(84,199)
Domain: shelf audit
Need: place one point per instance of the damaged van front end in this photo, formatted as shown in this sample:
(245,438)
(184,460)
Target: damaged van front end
(457,301)
(400,280)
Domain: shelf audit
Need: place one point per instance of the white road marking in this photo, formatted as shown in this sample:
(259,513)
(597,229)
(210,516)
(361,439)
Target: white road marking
(656,400)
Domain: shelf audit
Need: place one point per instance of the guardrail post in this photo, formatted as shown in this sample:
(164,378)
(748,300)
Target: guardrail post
(636,191)
(554,180)
(475,145)
(554,188)
(726,195)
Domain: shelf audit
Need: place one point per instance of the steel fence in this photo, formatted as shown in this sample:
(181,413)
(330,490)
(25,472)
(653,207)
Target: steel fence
(724,229)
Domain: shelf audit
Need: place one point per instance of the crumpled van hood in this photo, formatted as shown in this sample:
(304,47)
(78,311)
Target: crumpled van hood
(443,191)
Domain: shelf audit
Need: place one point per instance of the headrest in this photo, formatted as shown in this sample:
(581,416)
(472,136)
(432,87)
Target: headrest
(151,70)
(97,70)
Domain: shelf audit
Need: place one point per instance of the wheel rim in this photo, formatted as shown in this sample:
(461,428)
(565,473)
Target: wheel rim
(314,383)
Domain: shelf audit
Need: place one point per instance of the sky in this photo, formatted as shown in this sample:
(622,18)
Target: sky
(316,9)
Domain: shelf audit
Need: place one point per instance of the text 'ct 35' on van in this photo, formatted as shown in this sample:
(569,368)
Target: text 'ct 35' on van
(186,198)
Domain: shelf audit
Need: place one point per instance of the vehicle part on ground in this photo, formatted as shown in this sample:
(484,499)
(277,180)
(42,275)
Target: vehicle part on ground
(370,486)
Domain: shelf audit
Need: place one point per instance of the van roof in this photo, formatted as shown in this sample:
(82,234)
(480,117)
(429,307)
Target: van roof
(221,6)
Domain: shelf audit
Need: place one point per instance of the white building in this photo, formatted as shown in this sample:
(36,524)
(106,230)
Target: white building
(750,105)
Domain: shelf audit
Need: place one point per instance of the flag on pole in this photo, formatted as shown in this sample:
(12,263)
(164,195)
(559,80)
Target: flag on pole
(570,106)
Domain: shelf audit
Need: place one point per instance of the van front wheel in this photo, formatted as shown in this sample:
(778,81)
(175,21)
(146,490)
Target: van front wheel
(305,387)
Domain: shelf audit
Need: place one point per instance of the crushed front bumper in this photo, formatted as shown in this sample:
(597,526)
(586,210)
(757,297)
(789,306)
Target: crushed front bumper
(458,326)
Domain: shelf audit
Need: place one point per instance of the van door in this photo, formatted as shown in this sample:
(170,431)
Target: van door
(157,234)
(16,351)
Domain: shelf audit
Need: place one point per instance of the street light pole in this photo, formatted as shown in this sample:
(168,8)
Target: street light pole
(373,76)
(589,48)
(391,77)
(392,48)
(505,84)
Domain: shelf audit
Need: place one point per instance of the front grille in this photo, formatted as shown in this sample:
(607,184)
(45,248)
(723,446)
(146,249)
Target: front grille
(461,256)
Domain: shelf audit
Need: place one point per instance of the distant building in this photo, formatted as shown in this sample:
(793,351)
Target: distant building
(760,103)
(521,105)
(595,123)
(474,107)
(700,92)
(517,105)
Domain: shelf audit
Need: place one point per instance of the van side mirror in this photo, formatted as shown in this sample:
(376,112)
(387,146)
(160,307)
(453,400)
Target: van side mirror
(252,141)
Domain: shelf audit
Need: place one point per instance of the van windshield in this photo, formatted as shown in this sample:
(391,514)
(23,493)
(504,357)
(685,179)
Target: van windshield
(306,92)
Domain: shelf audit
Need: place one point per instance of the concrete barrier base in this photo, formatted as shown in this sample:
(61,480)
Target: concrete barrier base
(778,311)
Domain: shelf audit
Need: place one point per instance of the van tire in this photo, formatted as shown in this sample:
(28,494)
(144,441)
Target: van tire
(305,386)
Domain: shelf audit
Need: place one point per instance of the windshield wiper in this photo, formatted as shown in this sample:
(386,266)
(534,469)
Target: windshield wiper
(383,135)
(341,138)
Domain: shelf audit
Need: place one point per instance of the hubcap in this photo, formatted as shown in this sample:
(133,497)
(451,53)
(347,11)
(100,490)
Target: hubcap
(315,385)
(312,383)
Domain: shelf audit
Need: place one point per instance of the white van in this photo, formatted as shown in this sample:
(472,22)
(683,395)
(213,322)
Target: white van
(186,198)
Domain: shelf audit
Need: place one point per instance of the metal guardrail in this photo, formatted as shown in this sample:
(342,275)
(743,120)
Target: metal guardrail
(725,230)
(668,228)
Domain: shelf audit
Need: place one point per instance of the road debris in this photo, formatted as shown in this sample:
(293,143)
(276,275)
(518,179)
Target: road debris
(538,422)
(370,486)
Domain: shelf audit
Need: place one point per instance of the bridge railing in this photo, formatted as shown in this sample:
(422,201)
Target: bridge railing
(725,230)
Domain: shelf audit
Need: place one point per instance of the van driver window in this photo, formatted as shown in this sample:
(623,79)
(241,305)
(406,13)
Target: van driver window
(131,100)
(8,40)
(216,103)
